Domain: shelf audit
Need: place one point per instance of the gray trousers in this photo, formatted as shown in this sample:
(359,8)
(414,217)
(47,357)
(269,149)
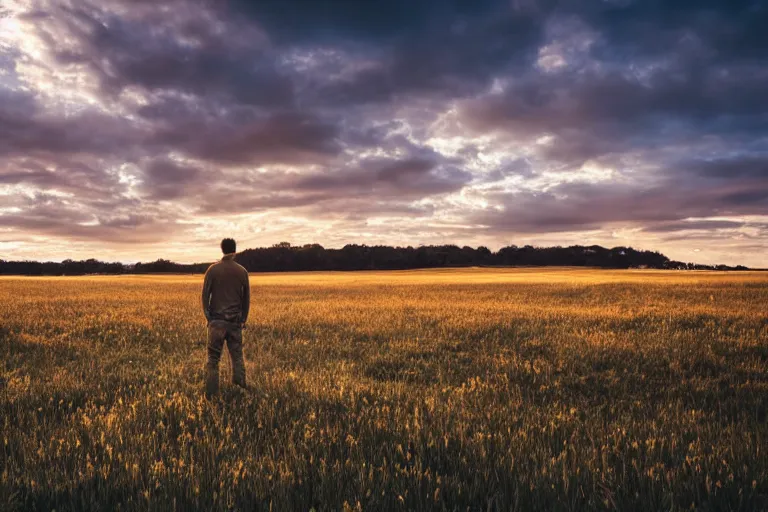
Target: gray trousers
(220,332)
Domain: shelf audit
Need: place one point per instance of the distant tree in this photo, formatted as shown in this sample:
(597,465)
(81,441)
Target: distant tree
(285,257)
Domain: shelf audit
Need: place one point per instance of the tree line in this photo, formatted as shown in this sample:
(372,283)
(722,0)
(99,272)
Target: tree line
(285,257)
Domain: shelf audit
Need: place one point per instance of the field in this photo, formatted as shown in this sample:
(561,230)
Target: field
(518,389)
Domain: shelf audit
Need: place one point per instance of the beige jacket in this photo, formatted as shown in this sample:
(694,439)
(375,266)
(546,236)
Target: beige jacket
(226,291)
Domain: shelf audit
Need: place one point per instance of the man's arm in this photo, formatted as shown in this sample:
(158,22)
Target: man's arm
(246,304)
(207,294)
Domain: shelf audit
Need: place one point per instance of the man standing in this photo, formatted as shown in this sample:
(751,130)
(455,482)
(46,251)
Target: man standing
(226,301)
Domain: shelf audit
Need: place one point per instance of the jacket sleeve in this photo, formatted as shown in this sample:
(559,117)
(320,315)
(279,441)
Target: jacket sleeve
(207,295)
(246,305)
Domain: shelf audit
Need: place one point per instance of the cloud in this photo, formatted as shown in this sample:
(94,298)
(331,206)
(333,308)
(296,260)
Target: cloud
(583,206)
(634,29)
(741,167)
(400,178)
(695,225)
(374,182)
(52,215)
(26,129)
(185,46)
(458,59)
(594,113)
(487,121)
(289,137)
(376,21)
(81,178)
(164,179)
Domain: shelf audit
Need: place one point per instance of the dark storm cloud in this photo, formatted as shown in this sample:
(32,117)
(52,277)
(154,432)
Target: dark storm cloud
(595,113)
(448,61)
(582,206)
(757,197)
(26,129)
(310,21)
(80,178)
(146,232)
(290,137)
(415,177)
(735,27)
(634,29)
(164,179)
(368,182)
(655,74)
(108,219)
(183,48)
(701,225)
(755,167)
(331,107)
(238,134)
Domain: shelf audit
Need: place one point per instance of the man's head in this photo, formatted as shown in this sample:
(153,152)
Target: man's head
(228,246)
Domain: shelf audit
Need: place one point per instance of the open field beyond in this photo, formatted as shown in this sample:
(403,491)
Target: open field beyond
(479,389)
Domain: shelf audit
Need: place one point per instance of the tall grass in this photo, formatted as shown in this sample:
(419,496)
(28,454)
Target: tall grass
(434,390)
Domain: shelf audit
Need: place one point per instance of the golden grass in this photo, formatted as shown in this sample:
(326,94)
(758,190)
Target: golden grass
(521,389)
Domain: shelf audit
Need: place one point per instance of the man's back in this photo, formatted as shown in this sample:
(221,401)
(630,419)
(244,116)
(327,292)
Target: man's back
(226,291)
(226,301)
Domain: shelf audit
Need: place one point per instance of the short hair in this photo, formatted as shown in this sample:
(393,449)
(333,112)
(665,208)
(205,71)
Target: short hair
(228,245)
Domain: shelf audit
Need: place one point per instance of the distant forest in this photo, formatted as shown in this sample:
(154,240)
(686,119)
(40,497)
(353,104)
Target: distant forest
(284,257)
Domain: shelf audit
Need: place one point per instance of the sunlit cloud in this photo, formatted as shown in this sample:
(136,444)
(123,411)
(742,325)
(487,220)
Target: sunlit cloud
(138,130)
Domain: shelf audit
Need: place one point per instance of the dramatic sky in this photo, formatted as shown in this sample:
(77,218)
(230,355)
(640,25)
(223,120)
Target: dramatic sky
(139,129)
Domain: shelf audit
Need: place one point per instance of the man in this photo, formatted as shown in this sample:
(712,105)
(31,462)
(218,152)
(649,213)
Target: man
(226,301)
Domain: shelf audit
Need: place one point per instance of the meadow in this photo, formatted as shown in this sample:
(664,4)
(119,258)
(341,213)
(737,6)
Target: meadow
(472,389)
